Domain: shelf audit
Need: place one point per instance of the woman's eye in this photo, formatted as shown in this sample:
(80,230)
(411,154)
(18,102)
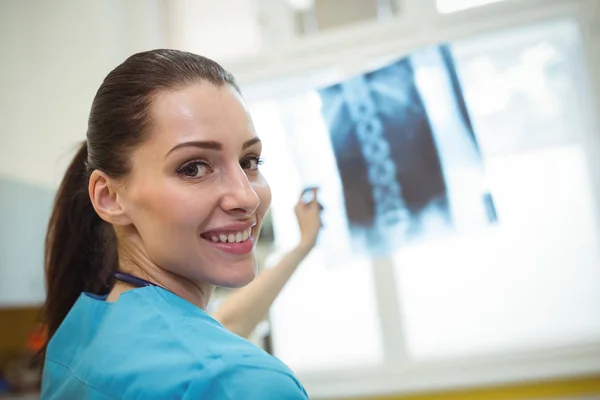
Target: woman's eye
(194,170)
(251,163)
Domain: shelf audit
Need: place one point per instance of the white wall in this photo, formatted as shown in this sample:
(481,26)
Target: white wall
(54,57)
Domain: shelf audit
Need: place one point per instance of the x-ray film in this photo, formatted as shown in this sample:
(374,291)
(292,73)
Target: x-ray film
(406,152)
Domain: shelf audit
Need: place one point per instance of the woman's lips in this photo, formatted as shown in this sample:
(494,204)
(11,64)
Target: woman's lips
(241,247)
(240,241)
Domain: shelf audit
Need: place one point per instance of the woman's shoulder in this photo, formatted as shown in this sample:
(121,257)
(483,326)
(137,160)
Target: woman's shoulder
(247,377)
(223,378)
(153,318)
(145,345)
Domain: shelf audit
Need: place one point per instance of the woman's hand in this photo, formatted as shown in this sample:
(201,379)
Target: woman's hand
(309,220)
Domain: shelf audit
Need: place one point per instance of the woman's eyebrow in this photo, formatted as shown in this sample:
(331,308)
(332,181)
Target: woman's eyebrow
(209,145)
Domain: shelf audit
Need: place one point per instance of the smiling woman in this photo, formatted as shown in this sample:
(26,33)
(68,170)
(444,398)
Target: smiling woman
(196,175)
(162,203)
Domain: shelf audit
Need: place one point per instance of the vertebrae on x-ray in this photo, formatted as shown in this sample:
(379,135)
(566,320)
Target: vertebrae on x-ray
(390,209)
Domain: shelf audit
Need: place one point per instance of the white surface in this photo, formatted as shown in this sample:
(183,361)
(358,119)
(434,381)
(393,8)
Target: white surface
(536,276)
(222,30)
(531,283)
(24,213)
(56,54)
(450,6)
(339,304)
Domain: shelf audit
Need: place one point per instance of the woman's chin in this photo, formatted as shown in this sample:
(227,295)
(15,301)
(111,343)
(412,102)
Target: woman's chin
(238,277)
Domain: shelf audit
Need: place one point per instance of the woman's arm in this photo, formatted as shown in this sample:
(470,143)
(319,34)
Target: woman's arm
(245,308)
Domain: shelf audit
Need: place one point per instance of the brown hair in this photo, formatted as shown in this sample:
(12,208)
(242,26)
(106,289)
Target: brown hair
(81,252)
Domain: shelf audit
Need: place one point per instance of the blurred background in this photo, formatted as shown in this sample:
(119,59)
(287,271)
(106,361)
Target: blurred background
(457,147)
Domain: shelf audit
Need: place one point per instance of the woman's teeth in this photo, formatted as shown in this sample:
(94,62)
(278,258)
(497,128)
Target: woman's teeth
(233,237)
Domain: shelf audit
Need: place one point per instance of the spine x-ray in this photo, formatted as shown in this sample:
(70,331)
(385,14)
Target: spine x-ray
(406,153)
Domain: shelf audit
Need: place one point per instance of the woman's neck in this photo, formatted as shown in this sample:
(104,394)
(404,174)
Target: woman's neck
(134,263)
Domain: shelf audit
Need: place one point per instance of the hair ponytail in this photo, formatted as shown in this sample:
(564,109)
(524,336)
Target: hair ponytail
(80,249)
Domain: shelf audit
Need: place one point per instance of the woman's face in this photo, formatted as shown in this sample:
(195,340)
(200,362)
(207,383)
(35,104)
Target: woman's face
(195,196)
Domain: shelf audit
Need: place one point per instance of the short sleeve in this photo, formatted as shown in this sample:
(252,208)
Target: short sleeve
(247,379)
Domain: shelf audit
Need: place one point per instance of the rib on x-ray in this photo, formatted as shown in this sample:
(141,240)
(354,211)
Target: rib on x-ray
(406,152)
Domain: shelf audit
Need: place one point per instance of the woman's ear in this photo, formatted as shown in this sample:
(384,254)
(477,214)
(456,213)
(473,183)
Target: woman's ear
(105,199)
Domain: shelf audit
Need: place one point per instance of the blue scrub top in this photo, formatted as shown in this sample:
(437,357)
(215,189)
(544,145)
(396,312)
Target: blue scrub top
(152,344)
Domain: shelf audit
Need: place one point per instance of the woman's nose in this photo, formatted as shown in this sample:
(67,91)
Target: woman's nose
(239,195)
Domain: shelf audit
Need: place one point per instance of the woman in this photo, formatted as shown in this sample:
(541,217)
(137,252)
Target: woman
(165,199)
